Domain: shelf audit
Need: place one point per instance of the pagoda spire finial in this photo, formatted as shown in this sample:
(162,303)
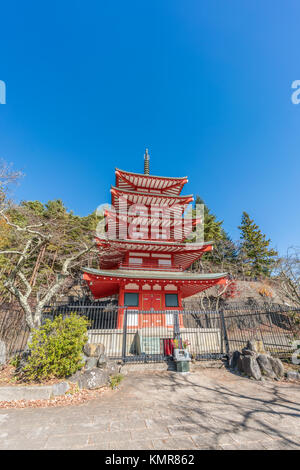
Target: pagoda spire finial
(146,162)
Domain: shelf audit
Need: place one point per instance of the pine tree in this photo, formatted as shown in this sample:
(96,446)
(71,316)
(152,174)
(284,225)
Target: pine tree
(255,250)
(212,227)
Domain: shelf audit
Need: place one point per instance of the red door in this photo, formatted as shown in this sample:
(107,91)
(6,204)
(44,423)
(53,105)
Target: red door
(152,301)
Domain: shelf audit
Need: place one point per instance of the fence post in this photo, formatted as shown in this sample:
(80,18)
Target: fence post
(124,335)
(224,331)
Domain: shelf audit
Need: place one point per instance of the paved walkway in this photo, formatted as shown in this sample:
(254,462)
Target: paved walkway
(208,409)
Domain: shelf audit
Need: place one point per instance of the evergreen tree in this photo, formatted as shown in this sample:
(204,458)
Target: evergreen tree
(255,249)
(212,227)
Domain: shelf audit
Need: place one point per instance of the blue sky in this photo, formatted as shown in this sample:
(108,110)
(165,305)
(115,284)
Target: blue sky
(205,85)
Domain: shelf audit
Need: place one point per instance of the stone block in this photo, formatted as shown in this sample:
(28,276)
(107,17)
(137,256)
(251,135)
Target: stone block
(60,389)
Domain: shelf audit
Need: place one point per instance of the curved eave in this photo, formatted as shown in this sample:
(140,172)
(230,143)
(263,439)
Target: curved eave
(192,246)
(155,275)
(179,179)
(117,192)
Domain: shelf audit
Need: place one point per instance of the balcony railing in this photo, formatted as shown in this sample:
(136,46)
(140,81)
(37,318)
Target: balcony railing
(150,267)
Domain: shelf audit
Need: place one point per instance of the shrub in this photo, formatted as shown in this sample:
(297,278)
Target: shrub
(115,380)
(56,348)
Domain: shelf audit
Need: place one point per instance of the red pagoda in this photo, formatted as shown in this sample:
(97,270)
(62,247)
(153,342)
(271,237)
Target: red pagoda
(143,252)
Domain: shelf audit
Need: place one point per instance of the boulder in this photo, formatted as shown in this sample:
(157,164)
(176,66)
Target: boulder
(292,375)
(102,361)
(240,366)
(233,361)
(93,349)
(277,366)
(248,352)
(75,377)
(91,363)
(60,388)
(251,367)
(92,379)
(112,368)
(256,345)
(266,366)
(2,352)
(251,345)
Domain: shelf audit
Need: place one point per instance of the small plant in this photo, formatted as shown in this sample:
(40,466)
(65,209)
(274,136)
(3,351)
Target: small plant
(175,343)
(186,343)
(115,380)
(56,348)
(15,361)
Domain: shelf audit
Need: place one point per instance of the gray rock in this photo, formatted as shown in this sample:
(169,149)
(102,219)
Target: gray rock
(93,349)
(112,368)
(251,345)
(2,352)
(251,367)
(91,363)
(102,361)
(248,352)
(265,366)
(292,375)
(277,366)
(60,388)
(92,379)
(233,361)
(75,377)
(240,366)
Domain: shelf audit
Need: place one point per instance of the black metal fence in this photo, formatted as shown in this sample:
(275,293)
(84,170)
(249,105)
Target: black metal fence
(150,336)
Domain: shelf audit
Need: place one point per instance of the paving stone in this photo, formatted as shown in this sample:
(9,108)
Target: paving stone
(174,443)
(149,433)
(184,429)
(209,409)
(246,436)
(212,439)
(127,425)
(280,444)
(70,441)
(131,445)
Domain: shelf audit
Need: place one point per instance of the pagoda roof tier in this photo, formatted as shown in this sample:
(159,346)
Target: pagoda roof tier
(184,254)
(141,182)
(148,199)
(103,283)
(164,227)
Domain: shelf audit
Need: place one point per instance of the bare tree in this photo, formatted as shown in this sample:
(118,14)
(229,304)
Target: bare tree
(33,280)
(7,178)
(288,270)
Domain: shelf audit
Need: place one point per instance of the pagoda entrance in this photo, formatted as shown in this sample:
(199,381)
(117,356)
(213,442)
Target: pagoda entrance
(152,301)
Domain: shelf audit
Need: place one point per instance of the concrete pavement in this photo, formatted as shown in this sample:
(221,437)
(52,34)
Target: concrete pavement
(207,409)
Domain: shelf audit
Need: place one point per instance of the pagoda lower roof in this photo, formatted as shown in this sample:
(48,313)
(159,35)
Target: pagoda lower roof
(103,282)
(128,180)
(150,199)
(166,275)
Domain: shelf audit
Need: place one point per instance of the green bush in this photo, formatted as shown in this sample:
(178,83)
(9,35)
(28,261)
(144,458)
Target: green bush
(115,380)
(56,348)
